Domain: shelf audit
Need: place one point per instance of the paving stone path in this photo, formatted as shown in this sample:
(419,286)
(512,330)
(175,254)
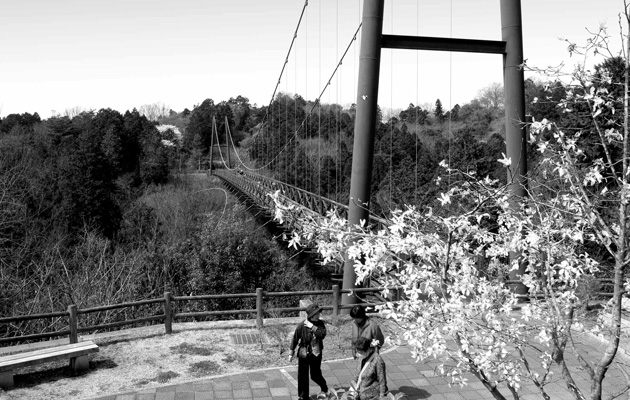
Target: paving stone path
(416,380)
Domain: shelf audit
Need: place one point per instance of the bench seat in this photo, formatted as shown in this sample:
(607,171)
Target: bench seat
(76,352)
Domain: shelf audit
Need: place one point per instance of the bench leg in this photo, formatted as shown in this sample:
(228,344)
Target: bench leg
(80,363)
(6,379)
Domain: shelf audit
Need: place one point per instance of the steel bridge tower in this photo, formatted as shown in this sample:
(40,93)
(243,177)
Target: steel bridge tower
(373,40)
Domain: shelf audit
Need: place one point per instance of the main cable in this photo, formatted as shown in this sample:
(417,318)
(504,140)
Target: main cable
(315,104)
(286,60)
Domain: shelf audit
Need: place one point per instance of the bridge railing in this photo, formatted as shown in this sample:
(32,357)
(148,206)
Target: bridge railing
(168,303)
(258,188)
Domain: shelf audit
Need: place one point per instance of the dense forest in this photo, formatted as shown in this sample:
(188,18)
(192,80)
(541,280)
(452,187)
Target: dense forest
(99,207)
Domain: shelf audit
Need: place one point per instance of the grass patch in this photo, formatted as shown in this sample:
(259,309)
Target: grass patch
(256,359)
(229,358)
(163,377)
(278,335)
(189,349)
(204,368)
(102,364)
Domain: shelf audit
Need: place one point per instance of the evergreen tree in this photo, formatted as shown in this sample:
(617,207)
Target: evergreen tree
(438,111)
(200,125)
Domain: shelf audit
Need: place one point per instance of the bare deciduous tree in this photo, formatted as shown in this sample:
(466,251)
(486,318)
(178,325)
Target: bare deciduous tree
(154,111)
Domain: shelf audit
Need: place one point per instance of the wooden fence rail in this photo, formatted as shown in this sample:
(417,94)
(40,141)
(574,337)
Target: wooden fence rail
(603,281)
(169,315)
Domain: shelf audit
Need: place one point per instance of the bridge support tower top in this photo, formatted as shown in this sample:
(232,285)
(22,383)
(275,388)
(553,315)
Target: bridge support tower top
(372,40)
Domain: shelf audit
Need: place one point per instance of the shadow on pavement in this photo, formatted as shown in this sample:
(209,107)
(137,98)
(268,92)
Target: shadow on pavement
(412,393)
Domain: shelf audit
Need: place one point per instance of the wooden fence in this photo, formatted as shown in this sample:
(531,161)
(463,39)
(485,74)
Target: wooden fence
(601,290)
(73,313)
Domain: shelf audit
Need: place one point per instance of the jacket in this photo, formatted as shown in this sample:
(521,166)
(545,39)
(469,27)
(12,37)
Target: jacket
(373,383)
(369,330)
(314,337)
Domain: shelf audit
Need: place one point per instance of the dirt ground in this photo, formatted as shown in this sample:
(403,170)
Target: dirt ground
(143,358)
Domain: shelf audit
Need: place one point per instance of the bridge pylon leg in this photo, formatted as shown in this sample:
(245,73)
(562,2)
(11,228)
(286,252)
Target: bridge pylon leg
(364,129)
(515,129)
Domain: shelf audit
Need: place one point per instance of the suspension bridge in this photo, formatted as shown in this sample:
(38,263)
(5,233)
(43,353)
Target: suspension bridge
(295,130)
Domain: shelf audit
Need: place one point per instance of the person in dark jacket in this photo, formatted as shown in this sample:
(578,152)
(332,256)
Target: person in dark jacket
(310,335)
(371,380)
(364,327)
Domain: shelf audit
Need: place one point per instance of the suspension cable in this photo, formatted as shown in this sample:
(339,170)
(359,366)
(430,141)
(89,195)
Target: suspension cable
(450,96)
(319,117)
(391,107)
(215,132)
(295,154)
(286,130)
(303,124)
(415,192)
(286,59)
(305,158)
(270,135)
(337,127)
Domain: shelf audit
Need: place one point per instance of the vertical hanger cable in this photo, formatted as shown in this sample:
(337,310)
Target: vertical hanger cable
(319,115)
(450,88)
(391,113)
(415,192)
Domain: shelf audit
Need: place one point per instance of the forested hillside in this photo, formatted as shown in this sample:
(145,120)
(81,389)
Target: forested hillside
(99,207)
(94,211)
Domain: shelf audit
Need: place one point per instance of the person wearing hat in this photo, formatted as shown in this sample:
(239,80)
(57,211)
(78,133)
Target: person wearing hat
(364,327)
(309,335)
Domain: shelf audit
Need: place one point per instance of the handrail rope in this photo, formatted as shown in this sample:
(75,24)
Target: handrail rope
(273,184)
(317,101)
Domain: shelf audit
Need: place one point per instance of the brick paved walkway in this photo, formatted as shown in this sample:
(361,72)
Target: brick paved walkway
(416,380)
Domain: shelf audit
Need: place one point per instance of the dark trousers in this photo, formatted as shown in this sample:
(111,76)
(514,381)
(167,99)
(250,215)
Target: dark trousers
(315,365)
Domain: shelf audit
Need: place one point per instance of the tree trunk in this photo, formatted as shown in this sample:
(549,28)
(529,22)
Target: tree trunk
(620,255)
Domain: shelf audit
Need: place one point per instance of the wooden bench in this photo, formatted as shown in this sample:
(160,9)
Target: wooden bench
(76,352)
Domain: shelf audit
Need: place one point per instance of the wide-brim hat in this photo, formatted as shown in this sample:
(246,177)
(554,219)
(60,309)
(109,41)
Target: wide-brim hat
(312,309)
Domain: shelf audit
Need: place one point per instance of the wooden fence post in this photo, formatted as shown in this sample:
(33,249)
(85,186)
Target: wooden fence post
(168,314)
(259,308)
(335,310)
(72,322)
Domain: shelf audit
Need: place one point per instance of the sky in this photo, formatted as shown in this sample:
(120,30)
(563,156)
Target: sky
(57,55)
